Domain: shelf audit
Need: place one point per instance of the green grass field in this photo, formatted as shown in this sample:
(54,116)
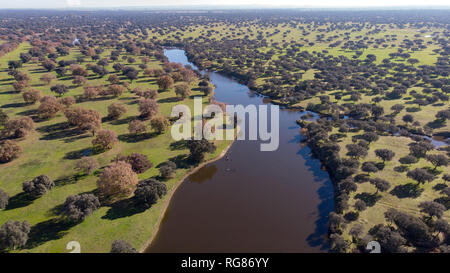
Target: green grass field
(48,151)
(279,37)
(394,197)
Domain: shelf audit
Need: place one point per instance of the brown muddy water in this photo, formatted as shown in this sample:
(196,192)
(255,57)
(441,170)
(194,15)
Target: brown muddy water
(249,201)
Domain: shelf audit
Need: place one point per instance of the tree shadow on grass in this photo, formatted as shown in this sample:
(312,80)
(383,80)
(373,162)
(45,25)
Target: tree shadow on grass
(435,124)
(132,138)
(432,170)
(182,161)
(53,127)
(49,230)
(178,145)
(122,208)
(380,165)
(10,92)
(79,153)
(55,211)
(169,100)
(15,105)
(31,112)
(60,130)
(445,201)
(369,198)
(38,70)
(74,132)
(410,190)
(67,180)
(439,187)
(75,138)
(122,121)
(132,102)
(103,98)
(19,200)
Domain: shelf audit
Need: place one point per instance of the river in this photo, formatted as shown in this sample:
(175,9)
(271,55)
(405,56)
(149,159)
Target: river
(249,201)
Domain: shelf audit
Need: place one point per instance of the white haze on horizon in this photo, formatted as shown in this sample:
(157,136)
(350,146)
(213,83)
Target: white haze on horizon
(25,4)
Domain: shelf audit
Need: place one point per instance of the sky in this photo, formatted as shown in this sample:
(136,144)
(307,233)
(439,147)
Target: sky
(5,4)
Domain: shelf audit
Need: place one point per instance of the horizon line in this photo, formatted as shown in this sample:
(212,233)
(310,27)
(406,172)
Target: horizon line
(229,7)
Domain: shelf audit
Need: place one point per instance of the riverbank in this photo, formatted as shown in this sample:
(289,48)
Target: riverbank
(168,197)
(237,198)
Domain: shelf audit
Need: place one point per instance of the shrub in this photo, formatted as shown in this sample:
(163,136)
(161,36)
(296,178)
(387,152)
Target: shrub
(198,148)
(18,127)
(165,82)
(47,78)
(87,165)
(356,151)
(370,137)
(79,80)
(380,184)
(385,154)
(84,119)
(338,244)
(9,150)
(437,160)
(91,92)
(356,231)
(369,167)
(360,205)
(116,110)
(78,207)
(114,79)
(420,175)
(117,180)
(408,118)
(32,96)
(4,198)
(49,107)
(148,192)
(49,65)
(160,124)
(432,208)
(148,94)
(59,89)
(351,216)
(139,162)
(67,101)
(409,159)
(78,70)
(167,169)
(397,108)
(3,117)
(14,234)
(38,186)
(183,90)
(105,139)
(207,90)
(420,149)
(401,168)
(19,86)
(137,127)
(116,90)
(148,108)
(413,229)
(390,240)
(120,246)
(443,115)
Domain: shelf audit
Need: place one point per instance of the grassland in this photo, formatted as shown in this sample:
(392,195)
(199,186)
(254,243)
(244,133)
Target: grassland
(405,194)
(53,151)
(283,34)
